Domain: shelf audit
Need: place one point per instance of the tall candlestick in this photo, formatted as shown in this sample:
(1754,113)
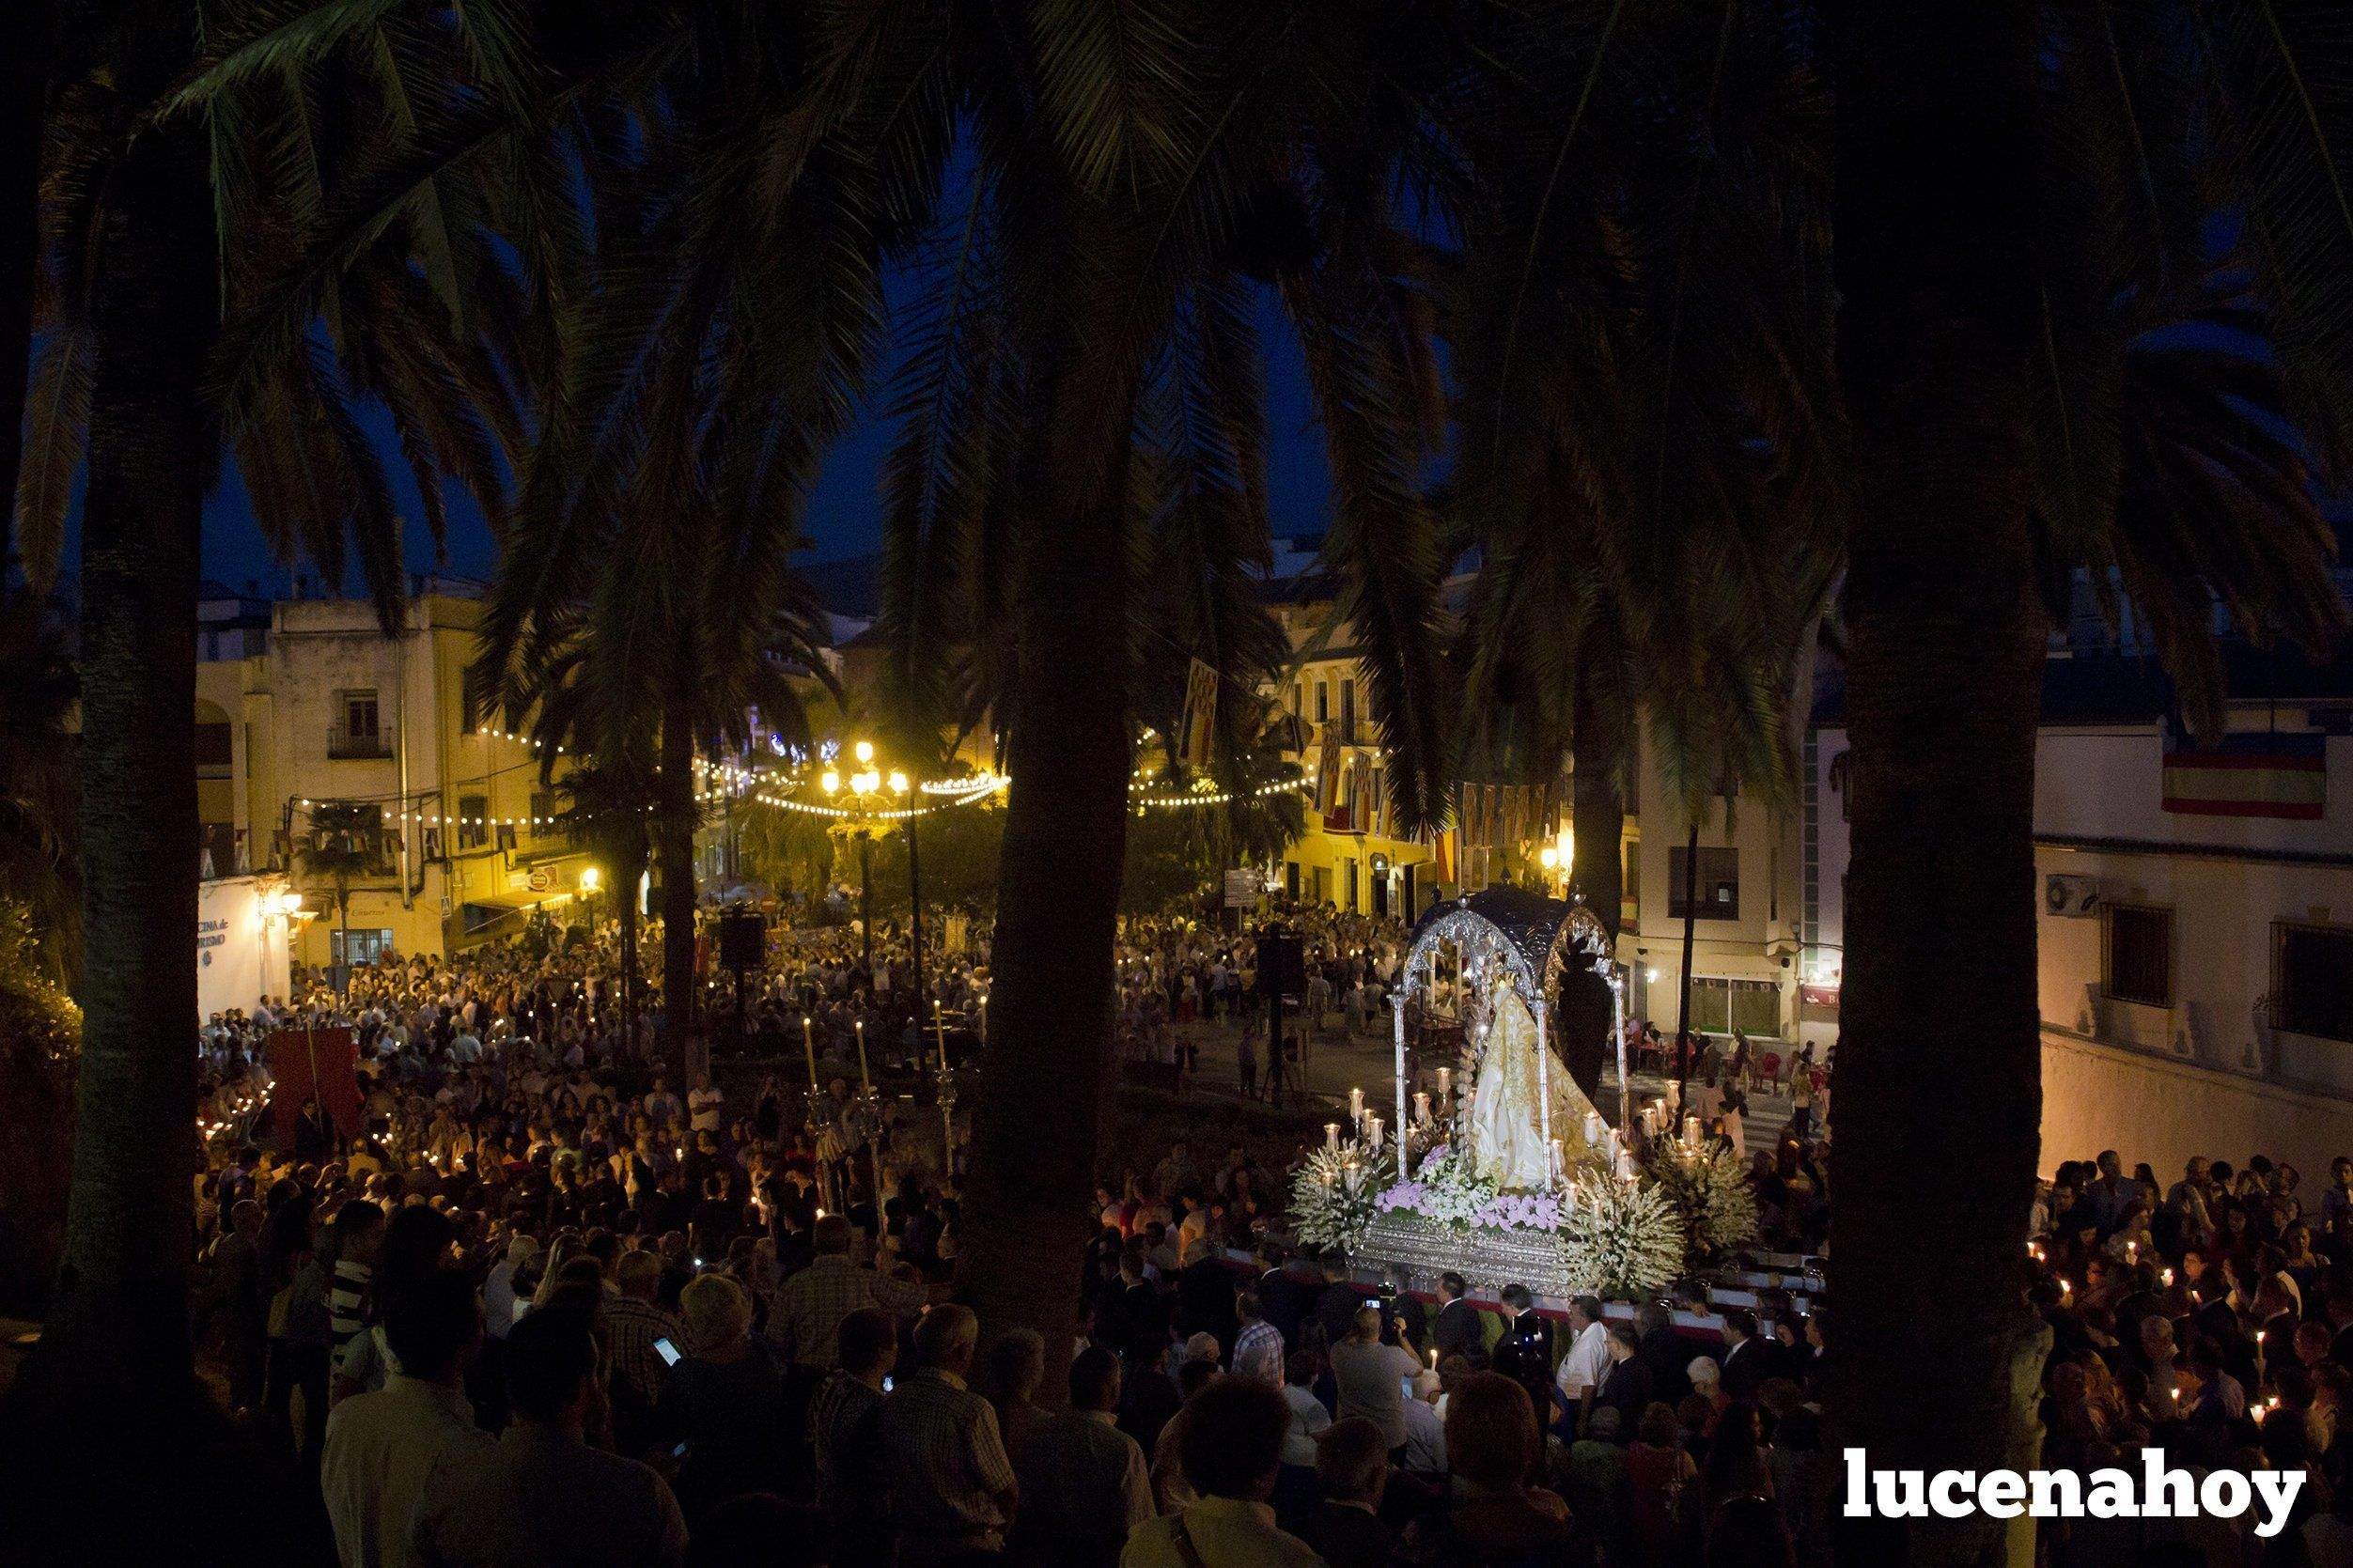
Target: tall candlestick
(939,1027)
(808,1043)
(865,1080)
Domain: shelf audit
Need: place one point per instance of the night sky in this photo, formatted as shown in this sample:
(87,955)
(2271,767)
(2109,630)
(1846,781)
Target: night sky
(844,510)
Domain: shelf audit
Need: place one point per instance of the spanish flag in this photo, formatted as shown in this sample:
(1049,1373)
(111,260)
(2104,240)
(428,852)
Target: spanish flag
(2282,776)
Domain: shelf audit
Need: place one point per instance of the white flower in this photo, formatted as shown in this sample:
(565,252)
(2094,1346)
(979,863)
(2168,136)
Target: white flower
(1625,1239)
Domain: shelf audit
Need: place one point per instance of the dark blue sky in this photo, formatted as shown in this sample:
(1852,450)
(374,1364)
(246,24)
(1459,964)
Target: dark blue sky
(843,511)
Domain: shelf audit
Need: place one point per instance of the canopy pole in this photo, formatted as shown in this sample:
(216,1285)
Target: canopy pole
(1396,1008)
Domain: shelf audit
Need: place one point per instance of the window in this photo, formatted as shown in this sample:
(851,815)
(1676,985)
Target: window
(473,826)
(363,946)
(1323,702)
(542,815)
(1719,886)
(1347,712)
(2141,955)
(358,726)
(2312,985)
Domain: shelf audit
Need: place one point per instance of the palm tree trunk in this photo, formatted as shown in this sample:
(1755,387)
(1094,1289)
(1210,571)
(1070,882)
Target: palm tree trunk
(25,35)
(1057,908)
(628,897)
(121,1315)
(1691,927)
(674,848)
(1596,868)
(1938,1072)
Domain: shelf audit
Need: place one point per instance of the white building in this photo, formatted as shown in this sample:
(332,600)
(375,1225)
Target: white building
(2195,932)
(244,929)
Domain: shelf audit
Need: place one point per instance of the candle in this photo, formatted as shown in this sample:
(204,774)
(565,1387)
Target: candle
(1557,1166)
(1331,1136)
(1626,1165)
(809,1044)
(1372,1131)
(1420,1106)
(1445,1084)
(865,1081)
(1356,1105)
(940,1027)
(1690,1130)
(1593,1128)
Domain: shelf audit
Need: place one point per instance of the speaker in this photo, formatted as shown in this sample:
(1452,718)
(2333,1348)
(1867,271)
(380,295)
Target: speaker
(1281,966)
(742,940)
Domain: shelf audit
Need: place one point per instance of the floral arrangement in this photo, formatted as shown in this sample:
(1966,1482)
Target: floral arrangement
(1627,1237)
(1709,1187)
(1335,1192)
(1444,1192)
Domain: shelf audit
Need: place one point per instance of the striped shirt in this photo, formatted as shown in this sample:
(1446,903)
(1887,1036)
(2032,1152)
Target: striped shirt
(1258,1353)
(347,1297)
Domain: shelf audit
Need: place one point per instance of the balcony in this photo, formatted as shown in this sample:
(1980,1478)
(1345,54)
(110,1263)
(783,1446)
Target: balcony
(346,745)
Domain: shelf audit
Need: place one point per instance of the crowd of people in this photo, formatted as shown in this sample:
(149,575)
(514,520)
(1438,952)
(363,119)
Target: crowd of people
(545,1305)
(2211,1317)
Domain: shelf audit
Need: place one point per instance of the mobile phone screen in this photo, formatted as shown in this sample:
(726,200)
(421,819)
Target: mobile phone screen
(668,1352)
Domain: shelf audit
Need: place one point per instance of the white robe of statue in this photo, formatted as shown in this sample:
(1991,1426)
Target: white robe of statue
(1506,1132)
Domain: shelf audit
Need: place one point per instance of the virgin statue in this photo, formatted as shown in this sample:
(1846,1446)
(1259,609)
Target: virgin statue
(1506,1126)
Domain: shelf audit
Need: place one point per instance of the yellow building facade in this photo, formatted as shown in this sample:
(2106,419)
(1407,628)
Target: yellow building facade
(306,703)
(1351,856)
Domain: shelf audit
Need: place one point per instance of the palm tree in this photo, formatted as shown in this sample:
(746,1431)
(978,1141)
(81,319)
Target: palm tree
(187,267)
(1982,262)
(610,803)
(344,844)
(646,592)
(1649,420)
(1082,352)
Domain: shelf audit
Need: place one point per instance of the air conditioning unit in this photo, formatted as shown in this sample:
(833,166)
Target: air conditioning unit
(2071,897)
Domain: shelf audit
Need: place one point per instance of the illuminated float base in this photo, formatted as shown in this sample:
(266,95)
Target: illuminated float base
(1410,1252)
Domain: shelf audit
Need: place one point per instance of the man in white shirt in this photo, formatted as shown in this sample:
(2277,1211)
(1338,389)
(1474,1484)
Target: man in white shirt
(703,1104)
(382,1446)
(499,1305)
(1587,1361)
